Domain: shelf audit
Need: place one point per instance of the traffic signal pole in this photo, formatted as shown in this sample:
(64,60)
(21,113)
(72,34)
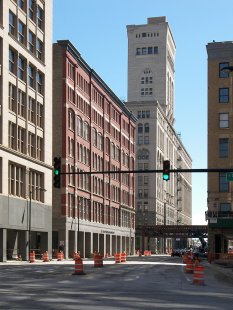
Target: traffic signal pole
(154,171)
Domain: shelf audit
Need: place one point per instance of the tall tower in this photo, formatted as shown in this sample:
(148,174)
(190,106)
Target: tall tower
(220,141)
(151,63)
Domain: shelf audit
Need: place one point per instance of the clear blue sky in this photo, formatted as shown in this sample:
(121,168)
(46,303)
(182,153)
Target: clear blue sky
(98,30)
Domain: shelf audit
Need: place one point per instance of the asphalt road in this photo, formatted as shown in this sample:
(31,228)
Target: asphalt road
(157,282)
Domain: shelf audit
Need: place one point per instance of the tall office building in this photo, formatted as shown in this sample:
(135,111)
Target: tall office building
(25,127)
(93,132)
(151,69)
(220,141)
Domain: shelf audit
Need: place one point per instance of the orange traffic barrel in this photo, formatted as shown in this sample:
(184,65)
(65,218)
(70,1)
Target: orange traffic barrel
(117,257)
(32,257)
(189,266)
(78,266)
(59,255)
(123,257)
(45,257)
(98,260)
(198,275)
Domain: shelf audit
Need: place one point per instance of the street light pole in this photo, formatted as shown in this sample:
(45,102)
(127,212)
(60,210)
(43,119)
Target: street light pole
(29,224)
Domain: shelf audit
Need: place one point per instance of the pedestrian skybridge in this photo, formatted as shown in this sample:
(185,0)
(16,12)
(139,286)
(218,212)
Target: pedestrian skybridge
(173,231)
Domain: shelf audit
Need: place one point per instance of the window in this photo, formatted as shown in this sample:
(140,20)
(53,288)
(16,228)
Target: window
(31,144)
(11,60)
(21,103)
(21,4)
(36,184)
(140,140)
(71,119)
(39,82)
(223,183)
(223,147)
(12,20)
(223,120)
(31,41)
(39,115)
(11,98)
(225,207)
(223,95)
(140,178)
(21,67)
(11,135)
(147,128)
(31,74)
(21,31)
(31,109)
(146,140)
(40,17)
(146,178)
(21,139)
(39,49)
(223,73)
(31,9)
(39,147)
(140,128)
(16,180)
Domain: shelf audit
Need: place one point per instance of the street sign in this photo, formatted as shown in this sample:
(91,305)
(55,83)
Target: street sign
(229,176)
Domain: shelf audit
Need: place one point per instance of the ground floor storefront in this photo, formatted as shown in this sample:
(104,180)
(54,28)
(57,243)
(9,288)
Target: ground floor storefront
(88,238)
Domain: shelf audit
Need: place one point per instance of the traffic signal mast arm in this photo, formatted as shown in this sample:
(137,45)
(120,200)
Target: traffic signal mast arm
(153,171)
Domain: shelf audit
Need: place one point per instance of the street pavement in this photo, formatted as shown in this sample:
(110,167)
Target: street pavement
(154,282)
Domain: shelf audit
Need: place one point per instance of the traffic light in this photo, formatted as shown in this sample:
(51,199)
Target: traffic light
(166,170)
(56,172)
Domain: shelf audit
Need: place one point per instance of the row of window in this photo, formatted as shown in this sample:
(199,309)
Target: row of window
(147,50)
(26,37)
(147,34)
(25,142)
(143,114)
(99,213)
(24,106)
(18,66)
(17,182)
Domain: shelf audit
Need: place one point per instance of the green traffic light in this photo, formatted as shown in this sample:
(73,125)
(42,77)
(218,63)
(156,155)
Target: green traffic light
(165,177)
(56,172)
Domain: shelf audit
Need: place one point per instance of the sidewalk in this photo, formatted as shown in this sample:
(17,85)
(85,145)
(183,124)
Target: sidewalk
(223,267)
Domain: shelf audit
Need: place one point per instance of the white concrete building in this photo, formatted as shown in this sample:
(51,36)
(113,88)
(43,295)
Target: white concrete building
(151,69)
(25,127)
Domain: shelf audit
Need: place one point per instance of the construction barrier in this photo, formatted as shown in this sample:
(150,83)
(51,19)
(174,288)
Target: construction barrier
(32,257)
(198,274)
(185,258)
(78,266)
(117,257)
(123,257)
(98,260)
(45,257)
(76,255)
(60,256)
(189,266)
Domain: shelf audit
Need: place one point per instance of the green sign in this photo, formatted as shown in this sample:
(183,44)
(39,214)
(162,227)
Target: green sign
(229,176)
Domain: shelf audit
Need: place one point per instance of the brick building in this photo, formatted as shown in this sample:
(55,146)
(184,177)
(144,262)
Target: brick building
(93,131)
(220,141)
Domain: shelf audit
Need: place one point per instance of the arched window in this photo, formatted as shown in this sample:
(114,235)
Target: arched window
(80,126)
(107,146)
(71,119)
(94,137)
(86,131)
